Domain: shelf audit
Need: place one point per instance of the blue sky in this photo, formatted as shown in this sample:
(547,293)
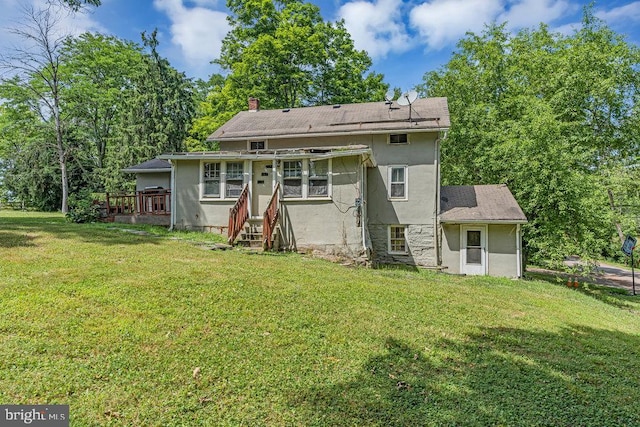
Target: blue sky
(404,38)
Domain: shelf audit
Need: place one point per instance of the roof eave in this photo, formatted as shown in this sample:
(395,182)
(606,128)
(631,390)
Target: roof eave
(325,134)
(483,221)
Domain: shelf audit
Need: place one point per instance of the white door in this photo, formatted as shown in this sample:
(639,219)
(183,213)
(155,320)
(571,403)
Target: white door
(262,186)
(473,252)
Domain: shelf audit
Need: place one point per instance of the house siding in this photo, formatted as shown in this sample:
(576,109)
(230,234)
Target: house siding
(327,225)
(190,212)
(502,256)
(417,212)
(451,248)
(153,179)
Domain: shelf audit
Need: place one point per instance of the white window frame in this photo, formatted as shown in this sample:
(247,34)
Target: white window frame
(405,182)
(264,141)
(223,179)
(398,143)
(203,168)
(301,178)
(305,179)
(309,178)
(391,238)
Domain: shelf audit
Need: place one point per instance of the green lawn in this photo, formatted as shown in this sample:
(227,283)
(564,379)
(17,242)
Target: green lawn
(114,324)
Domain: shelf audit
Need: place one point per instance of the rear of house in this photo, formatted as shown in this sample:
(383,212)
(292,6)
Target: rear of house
(357,180)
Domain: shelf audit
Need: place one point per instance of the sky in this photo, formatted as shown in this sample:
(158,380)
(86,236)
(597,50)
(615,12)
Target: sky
(405,39)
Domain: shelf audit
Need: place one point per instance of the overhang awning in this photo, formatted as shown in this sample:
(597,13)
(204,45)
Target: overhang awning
(279,154)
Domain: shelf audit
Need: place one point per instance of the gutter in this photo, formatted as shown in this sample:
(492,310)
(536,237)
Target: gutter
(518,252)
(328,134)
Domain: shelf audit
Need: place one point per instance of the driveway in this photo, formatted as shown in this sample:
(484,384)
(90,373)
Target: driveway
(604,274)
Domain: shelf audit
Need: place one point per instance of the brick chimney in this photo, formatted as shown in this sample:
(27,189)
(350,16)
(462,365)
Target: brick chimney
(254,104)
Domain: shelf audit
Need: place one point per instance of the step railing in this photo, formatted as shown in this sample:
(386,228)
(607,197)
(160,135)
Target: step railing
(270,218)
(238,215)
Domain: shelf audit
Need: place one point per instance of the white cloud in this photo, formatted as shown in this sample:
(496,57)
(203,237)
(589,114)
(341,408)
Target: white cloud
(623,14)
(15,16)
(198,31)
(443,22)
(376,27)
(530,13)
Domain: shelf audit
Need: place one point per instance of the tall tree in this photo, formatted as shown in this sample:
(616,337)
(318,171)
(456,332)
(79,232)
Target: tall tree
(285,54)
(553,117)
(36,67)
(156,114)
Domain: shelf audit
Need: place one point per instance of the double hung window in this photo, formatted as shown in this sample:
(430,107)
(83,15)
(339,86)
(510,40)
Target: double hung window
(398,182)
(292,178)
(235,175)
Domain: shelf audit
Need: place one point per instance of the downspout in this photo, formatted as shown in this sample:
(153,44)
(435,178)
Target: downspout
(436,232)
(518,252)
(363,210)
(173,195)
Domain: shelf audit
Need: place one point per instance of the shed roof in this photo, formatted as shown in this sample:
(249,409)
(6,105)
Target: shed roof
(364,118)
(150,166)
(479,203)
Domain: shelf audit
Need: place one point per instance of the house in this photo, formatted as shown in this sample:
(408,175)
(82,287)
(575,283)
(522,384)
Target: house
(358,180)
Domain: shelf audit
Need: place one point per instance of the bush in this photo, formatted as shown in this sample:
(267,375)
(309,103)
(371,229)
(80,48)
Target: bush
(82,208)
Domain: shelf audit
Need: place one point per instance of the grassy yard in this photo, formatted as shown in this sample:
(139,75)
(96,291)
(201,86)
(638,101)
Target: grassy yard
(114,324)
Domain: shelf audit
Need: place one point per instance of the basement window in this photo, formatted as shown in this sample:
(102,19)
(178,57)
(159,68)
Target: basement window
(397,239)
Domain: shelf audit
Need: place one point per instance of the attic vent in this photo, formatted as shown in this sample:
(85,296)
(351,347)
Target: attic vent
(286,110)
(337,106)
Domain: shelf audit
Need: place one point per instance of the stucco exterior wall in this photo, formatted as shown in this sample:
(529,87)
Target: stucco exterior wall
(190,212)
(327,224)
(159,179)
(417,212)
(502,256)
(451,248)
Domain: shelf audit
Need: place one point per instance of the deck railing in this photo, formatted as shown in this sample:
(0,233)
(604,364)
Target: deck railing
(238,215)
(270,218)
(157,202)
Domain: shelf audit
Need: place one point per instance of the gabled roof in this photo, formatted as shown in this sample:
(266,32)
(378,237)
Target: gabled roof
(365,118)
(150,166)
(479,203)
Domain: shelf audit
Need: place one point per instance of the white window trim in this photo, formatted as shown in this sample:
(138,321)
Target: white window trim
(305,180)
(399,143)
(406,243)
(223,180)
(266,144)
(406,182)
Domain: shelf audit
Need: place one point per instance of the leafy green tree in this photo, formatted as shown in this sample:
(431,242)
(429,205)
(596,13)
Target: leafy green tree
(101,73)
(76,5)
(283,53)
(553,117)
(38,80)
(156,114)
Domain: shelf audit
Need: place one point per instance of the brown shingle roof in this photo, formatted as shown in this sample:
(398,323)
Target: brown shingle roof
(426,114)
(481,203)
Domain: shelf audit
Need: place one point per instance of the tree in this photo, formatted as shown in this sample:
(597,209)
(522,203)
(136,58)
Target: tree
(156,114)
(285,54)
(553,117)
(75,5)
(37,75)
(101,72)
